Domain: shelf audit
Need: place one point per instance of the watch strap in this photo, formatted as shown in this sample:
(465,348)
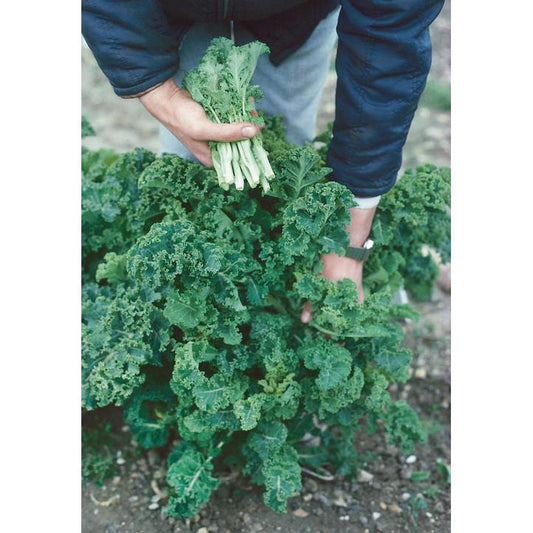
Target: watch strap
(360,253)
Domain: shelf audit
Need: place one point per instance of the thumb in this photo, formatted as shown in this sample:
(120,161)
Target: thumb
(236,131)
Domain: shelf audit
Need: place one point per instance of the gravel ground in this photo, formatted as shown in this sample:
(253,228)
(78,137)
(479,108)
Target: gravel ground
(384,499)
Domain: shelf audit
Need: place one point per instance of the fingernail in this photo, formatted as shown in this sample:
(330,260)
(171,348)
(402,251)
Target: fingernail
(248,131)
(305,317)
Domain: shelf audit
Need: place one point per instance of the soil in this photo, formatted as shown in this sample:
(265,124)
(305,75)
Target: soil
(390,501)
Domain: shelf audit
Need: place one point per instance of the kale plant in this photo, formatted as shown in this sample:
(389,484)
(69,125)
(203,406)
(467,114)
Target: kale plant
(191,303)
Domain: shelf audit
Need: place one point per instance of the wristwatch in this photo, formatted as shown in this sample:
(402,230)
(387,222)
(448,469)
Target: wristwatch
(360,253)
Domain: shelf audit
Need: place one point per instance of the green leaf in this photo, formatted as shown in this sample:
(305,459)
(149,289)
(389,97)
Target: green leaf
(186,310)
(395,364)
(268,438)
(282,475)
(421,475)
(86,128)
(248,411)
(191,482)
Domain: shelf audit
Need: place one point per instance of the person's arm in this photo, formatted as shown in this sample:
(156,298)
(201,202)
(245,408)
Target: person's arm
(133,42)
(137,49)
(383,58)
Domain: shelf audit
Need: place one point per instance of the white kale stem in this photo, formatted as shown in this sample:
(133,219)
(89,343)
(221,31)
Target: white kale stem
(217,163)
(262,157)
(245,168)
(264,183)
(239,178)
(249,160)
(224,150)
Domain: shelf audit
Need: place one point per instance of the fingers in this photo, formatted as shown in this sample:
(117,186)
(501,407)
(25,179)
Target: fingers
(201,150)
(305,317)
(237,131)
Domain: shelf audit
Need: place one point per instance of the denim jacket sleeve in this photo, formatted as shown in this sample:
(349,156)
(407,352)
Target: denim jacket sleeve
(383,58)
(133,42)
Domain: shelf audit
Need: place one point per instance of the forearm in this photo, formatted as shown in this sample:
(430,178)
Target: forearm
(383,58)
(133,43)
(360,225)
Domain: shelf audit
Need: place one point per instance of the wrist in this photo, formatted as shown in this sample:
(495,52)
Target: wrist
(159,99)
(360,225)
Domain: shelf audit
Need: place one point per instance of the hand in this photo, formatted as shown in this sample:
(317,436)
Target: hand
(337,267)
(187,120)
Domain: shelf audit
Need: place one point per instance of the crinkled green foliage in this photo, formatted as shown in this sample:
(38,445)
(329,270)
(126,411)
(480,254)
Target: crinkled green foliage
(191,305)
(86,128)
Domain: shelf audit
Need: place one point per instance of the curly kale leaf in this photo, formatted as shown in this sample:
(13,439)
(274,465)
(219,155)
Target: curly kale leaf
(403,426)
(315,223)
(297,169)
(282,478)
(118,340)
(412,218)
(110,198)
(332,361)
(150,412)
(86,128)
(189,476)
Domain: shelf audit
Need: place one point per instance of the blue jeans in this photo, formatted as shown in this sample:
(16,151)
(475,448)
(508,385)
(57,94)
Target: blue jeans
(291,89)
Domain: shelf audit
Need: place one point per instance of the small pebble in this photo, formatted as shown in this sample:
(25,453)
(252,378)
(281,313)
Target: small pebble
(308,497)
(340,501)
(344,517)
(439,507)
(376,515)
(322,498)
(407,473)
(411,459)
(202,530)
(300,513)
(405,496)
(116,480)
(383,505)
(311,485)
(153,506)
(364,477)
(394,508)
(421,373)
(121,461)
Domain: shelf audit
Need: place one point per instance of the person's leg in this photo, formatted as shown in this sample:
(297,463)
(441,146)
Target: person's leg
(192,49)
(294,88)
